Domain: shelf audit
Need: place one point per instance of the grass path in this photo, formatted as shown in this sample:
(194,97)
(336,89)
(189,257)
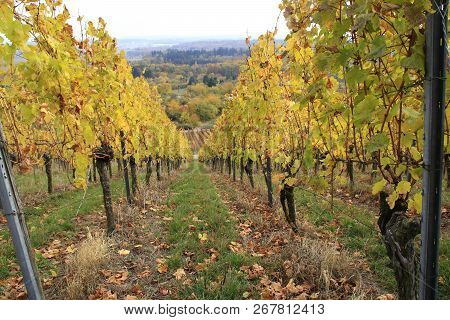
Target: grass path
(200,230)
(54,218)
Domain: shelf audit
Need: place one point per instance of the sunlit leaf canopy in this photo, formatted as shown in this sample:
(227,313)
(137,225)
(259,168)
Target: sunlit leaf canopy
(66,95)
(345,86)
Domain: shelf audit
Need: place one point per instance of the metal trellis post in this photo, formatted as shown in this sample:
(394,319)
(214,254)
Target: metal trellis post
(12,210)
(434,86)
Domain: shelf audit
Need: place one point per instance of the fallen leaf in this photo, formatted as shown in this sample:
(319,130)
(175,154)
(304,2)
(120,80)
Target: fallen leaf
(203,237)
(71,249)
(123,252)
(387,296)
(144,274)
(118,278)
(179,274)
(162,266)
(163,291)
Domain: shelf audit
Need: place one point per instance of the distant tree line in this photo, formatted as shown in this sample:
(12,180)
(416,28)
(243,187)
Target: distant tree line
(191,57)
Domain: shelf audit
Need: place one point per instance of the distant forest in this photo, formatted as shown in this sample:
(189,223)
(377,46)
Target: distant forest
(195,56)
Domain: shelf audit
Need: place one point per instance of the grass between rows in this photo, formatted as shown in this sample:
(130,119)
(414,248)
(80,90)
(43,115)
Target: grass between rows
(358,232)
(195,203)
(54,217)
(355,230)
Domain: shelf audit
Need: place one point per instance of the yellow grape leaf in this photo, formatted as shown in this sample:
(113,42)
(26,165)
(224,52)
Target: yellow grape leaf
(291,181)
(415,154)
(403,187)
(400,169)
(80,183)
(379,186)
(415,203)
(123,252)
(81,164)
(203,237)
(392,199)
(179,274)
(416,173)
(385,161)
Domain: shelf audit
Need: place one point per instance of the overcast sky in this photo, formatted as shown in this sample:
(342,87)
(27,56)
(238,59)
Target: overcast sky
(182,18)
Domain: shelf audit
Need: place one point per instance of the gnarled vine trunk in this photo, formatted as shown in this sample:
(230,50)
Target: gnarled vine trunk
(267,171)
(48,171)
(158,169)
(288,205)
(148,171)
(94,171)
(234,170)
(125,169)
(399,232)
(103,156)
(350,174)
(110,169)
(249,171)
(241,164)
(134,181)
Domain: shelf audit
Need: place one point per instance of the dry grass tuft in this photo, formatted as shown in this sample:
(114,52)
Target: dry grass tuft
(83,268)
(331,271)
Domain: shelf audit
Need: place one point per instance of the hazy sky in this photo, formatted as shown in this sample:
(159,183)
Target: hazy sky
(182,18)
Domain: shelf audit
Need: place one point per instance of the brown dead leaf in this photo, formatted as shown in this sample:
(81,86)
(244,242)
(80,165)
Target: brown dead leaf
(144,274)
(118,278)
(163,291)
(162,266)
(102,294)
(253,271)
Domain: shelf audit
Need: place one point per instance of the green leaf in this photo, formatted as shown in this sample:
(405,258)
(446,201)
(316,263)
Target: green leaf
(378,48)
(377,142)
(415,61)
(364,109)
(308,158)
(355,76)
